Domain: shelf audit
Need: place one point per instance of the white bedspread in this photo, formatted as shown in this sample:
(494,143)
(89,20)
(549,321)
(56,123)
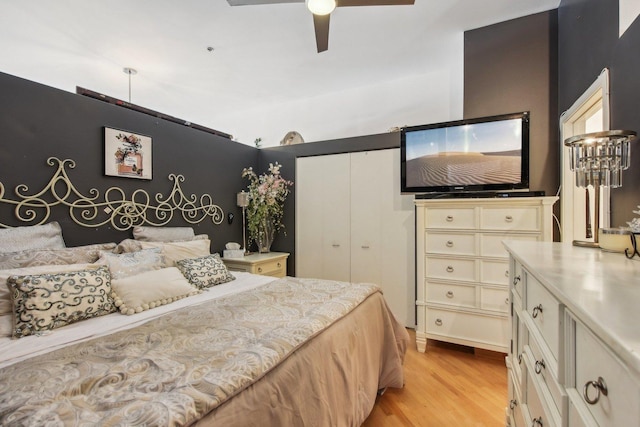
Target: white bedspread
(15,350)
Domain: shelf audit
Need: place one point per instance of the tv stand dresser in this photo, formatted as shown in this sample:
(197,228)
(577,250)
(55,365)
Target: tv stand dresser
(574,358)
(462,268)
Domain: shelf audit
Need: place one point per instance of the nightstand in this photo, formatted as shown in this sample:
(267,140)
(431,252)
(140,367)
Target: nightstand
(266,264)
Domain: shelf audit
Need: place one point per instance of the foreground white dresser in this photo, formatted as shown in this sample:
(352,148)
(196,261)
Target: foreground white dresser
(462,268)
(574,355)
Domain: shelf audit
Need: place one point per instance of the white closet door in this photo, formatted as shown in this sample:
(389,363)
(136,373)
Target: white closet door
(322,217)
(383,230)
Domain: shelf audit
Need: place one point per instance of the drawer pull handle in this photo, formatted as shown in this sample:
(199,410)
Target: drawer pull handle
(449,269)
(600,386)
(539,366)
(537,422)
(449,244)
(520,359)
(506,300)
(335,245)
(508,218)
(536,310)
(279,265)
(438,322)
(259,269)
(512,404)
(449,218)
(450,294)
(365,246)
(506,273)
(516,280)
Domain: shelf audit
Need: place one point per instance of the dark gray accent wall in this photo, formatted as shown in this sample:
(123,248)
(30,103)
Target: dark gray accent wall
(510,67)
(588,42)
(37,122)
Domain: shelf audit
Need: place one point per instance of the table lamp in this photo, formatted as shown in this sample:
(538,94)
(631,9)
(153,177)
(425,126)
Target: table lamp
(242,200)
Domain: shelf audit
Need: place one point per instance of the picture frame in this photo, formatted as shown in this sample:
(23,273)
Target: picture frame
(127,154)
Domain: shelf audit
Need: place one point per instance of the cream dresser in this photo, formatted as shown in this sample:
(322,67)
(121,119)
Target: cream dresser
(574,357)
(462,268)
(266,264)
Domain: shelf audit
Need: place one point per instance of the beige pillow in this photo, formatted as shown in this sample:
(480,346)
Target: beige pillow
(151,289)
(47,236)
(50,300)
(5,296)
(75,255)
(130,264)
(205,272)
(163,234)
(176,251)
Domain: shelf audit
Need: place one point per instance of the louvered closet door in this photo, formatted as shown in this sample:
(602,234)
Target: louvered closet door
(322,217)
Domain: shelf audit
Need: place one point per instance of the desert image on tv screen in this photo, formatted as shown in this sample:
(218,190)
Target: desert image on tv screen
(473,154)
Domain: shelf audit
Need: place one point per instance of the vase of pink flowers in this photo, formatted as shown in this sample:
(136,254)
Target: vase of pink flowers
(267,194)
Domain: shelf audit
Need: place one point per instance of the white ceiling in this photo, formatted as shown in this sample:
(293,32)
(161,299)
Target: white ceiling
(263,55)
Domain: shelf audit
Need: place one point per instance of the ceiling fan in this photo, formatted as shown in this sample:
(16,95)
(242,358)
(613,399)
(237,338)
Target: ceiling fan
(321,10)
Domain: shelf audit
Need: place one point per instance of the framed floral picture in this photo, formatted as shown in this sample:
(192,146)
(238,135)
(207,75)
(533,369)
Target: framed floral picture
(127,154)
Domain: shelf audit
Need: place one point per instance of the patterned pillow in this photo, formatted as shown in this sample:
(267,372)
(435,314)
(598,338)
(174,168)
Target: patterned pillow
(47,236)
(75,255)
(176,251)
(151,289)
(205,272)
(132,263)
(47,301)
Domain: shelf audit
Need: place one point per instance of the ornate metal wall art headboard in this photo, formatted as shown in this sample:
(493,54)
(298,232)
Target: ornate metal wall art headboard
(114,209)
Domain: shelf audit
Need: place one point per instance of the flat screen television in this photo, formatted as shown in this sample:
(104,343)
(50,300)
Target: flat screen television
(484,154)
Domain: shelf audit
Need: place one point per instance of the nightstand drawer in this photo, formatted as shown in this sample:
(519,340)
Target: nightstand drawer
(449,243)
(271,268)
(461,218)
(266,264)
(510,219)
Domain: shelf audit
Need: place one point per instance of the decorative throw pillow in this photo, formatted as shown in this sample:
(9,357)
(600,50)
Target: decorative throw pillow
(205,272)
(163,234)
(132,263)
(47,236)
(47,301)
(5,296)
(180,250)
(74,255)
(128,245)
(151,289)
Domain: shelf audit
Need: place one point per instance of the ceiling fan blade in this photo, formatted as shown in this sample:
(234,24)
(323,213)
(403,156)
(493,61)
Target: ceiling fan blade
(256,2)
(321,24)
(348,3)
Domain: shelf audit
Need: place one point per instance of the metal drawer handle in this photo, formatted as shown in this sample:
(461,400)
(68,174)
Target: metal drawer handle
(259,269)
(537,422)
(450,294)
(365,246)
(449,244)
(508,218)
(279,265)
(438,322)
(600,386)
(536,310)
(506,300)
(449,218)
(335,245)
(539,366)
(516,280)
(520,359)
(449,269)
(512,404)
(506,273)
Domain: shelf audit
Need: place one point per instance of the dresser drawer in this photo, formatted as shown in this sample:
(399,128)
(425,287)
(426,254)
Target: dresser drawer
(545,314)
(524,219)
(540,414)
(542,372)
(453,244)
(595,364)
(491,244)
(494,299)
(494,272)
(517,278)
(468,327)
(450,294)
(460,218)
(451,269)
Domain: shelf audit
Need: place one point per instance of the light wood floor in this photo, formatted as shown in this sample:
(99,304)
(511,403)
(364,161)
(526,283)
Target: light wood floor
(446,386)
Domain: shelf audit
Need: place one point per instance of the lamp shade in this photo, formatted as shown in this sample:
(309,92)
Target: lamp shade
(321,7)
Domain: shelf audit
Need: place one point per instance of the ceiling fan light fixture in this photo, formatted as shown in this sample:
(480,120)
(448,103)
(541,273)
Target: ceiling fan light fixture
(321,7)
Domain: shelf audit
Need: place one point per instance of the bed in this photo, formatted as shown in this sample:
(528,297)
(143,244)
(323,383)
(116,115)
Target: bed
(188,342)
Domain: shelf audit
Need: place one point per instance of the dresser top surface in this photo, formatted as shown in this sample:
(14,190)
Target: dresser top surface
(602,289)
